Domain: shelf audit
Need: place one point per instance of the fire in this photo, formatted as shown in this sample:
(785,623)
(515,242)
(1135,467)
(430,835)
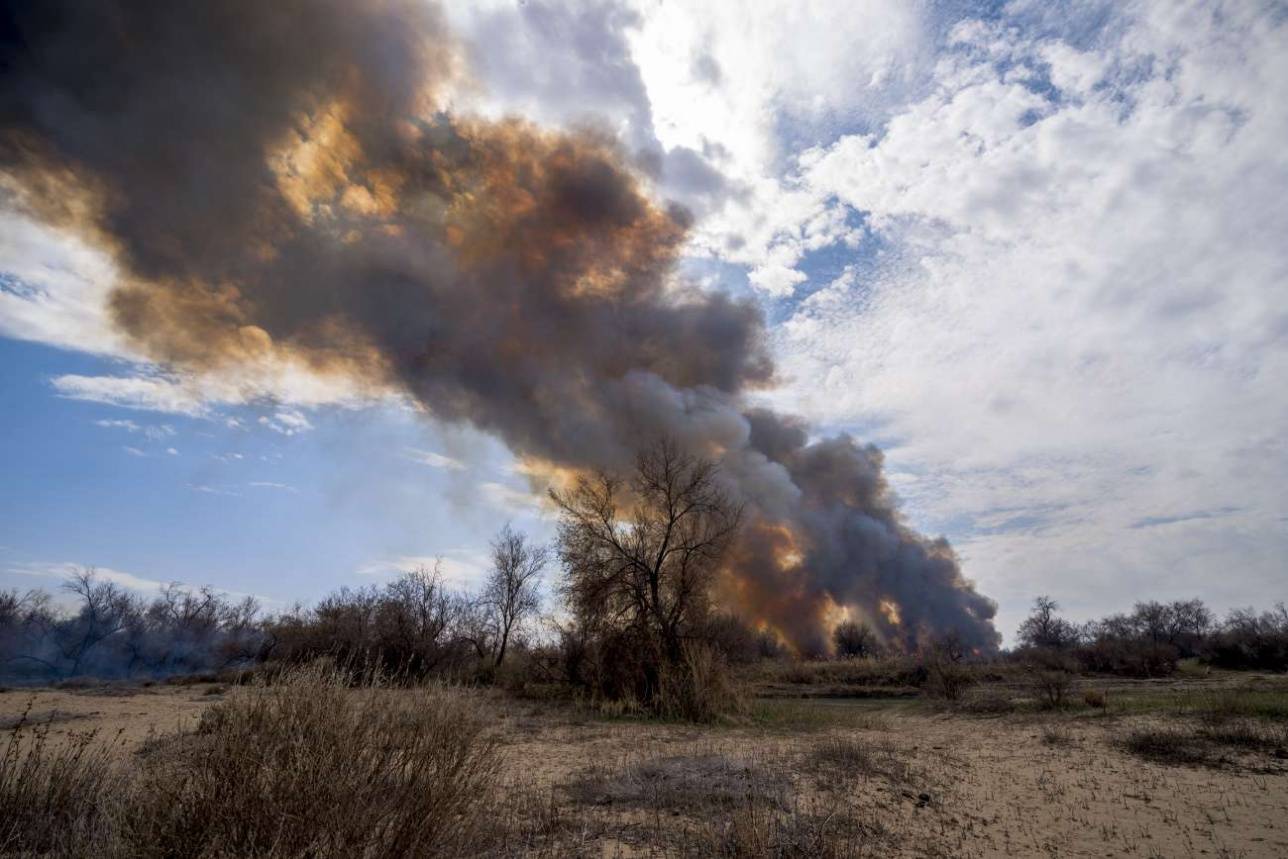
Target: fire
(787,551)
(834,614)
(890,611)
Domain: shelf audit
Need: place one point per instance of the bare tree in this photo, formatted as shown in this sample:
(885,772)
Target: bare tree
(511,589)
(642,554)
(1043,629)
(105,610)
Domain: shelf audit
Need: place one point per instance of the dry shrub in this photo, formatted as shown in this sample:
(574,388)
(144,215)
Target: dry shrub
(1166,746)
(50,793)
(946,678)
(692,784)
(1096,698)
(1056,736)
(699,688)
(844,757)
(1053,676)
(309,767)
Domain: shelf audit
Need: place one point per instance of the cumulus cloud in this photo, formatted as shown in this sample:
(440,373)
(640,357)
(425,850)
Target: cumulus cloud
(1080,307)
(286,422)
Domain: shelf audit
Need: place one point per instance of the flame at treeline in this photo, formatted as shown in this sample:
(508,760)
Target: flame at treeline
(286,184)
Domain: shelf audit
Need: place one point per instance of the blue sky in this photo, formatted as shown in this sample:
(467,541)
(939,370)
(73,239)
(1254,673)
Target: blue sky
(1035,251)
(229,500)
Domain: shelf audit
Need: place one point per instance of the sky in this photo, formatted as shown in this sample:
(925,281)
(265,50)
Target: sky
(1038,253)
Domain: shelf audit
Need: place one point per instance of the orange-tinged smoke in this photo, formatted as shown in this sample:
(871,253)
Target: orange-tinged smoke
(278,184)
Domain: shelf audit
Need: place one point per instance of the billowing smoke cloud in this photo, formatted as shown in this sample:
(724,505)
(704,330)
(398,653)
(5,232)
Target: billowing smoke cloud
(281,179)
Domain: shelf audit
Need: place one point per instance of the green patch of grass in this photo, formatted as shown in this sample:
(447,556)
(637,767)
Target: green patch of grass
(1270,704)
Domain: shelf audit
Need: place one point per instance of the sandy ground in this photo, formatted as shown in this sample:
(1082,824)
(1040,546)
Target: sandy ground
(942,784)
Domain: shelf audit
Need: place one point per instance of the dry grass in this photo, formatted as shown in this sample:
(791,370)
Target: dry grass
(1166,745)
(690,783)
(1056,736)
(307,767)
(716,803)
(844,757)
(1220,743)
(700,688)
(49,794)
(824,830)
(310,768)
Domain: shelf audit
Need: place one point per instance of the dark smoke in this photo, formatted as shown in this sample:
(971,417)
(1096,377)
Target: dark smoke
(280,179)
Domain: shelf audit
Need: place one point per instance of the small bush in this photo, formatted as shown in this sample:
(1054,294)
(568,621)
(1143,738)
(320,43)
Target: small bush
(854,639)
(947,679)
(1053,675)
(1056,736)
(312,767)
(1097,699)
(50,794)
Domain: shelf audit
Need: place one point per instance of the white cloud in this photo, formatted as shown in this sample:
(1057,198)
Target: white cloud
(516,502)
(152,432)
(1081,313)
(56,289)
(268,484)
(434,460)
(213,490)
(461,568)
(151,393)
(286,422)
(64,570)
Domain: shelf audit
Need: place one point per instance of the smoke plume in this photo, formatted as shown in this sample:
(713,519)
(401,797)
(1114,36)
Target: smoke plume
(282,180)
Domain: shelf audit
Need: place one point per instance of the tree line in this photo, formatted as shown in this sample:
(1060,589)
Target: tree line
(637,556)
